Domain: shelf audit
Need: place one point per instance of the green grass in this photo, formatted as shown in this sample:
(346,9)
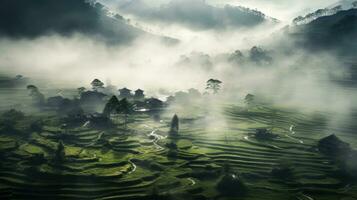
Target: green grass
(104,169)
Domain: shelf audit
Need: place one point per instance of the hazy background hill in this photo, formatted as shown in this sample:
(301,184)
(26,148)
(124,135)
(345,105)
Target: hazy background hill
(197,15)
(33,18)
(336,33)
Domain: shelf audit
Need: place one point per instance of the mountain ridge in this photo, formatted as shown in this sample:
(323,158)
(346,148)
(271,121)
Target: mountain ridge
(197,15)
(35,18)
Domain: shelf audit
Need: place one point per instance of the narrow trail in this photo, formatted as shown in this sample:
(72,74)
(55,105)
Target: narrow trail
(133,166)
(92,143)
(304,197)
(86,124)
(246,138)
(291,129)
(193,182)
(292,132)
(156,137)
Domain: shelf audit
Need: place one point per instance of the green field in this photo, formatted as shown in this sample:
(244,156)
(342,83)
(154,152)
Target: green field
(138,163)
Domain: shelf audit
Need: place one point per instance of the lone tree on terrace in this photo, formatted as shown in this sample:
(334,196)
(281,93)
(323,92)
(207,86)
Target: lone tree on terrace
(213,85)
(174,125)
(60,153)
(36,95)
(126,108)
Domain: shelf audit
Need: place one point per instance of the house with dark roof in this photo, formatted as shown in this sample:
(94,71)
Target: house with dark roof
(139,94)
(125,93)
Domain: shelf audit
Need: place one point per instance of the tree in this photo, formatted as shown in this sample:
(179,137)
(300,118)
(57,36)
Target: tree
(36,126)
(18,77)
(97,84)
(111,107)
(81,90)
(236,57)
(283,170)
(33,90)
(36,95)
(231,184)
(60,153)
(126,108)
(9,119)
(13,115)
(249,99)
(337,8)
(354,4)
(298,20)
(260,56)
(214,85)
(174,125)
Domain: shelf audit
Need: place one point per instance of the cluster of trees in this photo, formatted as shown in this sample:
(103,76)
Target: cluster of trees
(256,55)
(9,119)
(14,121)
(196,59)
(94,100)
(98,86)
(114,106)
(319,13)
(264,134)
(231,183)
(213,86)
(62,105)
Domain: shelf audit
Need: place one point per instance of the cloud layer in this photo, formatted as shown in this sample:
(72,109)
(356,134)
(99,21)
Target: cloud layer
(292,76)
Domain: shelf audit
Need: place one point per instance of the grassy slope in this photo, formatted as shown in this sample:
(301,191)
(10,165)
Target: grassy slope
(100,165)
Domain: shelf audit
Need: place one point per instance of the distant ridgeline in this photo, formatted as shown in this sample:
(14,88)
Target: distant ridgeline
(17,81)
(335,33)
(197,14)
(324,12)
(331,30)
(34,18)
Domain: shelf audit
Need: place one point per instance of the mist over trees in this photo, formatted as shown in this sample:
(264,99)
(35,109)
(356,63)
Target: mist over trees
(197,14)
(213,85)
(331,33)
(37,97)
(238,109)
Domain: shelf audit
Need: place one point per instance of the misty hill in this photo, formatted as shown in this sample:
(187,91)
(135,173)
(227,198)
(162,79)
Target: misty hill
(331,10)
(33,18)
(195,14)
(335,33)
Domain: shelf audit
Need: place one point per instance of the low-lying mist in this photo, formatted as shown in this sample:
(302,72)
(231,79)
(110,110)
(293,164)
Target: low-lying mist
(293,77)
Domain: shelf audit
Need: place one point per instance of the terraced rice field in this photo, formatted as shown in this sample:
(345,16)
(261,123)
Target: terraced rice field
(139,164)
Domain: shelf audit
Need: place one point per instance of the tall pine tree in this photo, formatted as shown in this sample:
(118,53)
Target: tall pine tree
(111,107)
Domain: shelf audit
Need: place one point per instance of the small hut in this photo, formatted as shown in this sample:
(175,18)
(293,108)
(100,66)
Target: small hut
(139,94)
(125,93)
